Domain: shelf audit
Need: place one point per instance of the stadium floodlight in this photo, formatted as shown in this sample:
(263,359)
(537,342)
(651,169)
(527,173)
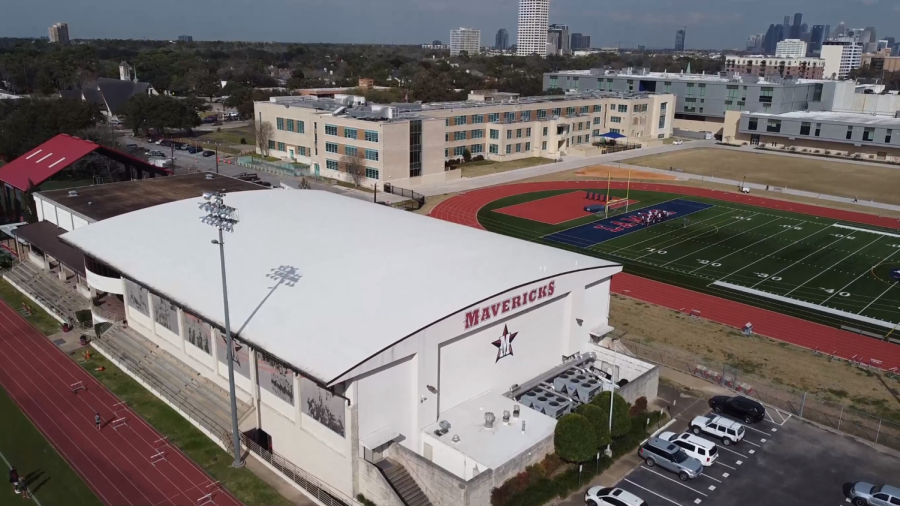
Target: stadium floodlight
(224,218)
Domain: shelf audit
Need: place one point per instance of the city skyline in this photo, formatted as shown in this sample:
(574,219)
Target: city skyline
(651,23)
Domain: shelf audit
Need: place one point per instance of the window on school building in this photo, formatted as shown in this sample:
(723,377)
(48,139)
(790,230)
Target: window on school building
(302,150)
(351,151)
(527,132)
(371,136)
(542,113)
(330,130)
(459,136)
(331,164)
(299,127)
(585,109)
(459,120)
(518,133)
(477,134)
(331,147)
(570,111)
(805,127)
(509,134)
(544,145)
(349,133)
(615,130)
(459,150)
(478,118)
(290,125)
(526,116)
(271,144)
(371,173)
(554,82)
(508,149)
(280,146)
(622,108)
(372,154)
(598,121)
(527,146)
(279,123)
(615,119)
(597,108)
(510,117)
(494,149)
(519,147)
(495,134)
(545,130)
(557,111)
(476,148)
(493,117)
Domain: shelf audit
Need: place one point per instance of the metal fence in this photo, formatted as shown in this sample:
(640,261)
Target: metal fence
(418,198)
(801,404)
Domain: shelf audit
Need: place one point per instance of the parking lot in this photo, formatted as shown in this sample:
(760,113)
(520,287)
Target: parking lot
(781,461)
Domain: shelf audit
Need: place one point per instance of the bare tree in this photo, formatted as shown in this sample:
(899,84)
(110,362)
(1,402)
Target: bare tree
(355,167)
(263,131)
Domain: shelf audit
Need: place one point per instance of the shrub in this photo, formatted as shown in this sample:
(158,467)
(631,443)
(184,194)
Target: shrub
(574,438)
(621,422)
(599,420)
(219,129)
(467,155)
(641,403)
(827,152)
(551,464)
(365,502)
(477,158)
(243,140)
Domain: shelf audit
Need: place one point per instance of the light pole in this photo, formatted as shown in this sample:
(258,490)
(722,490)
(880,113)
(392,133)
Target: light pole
(612,394)
(225,218)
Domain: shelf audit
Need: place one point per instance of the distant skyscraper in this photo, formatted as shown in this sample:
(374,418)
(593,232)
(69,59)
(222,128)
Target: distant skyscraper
(795,28)
(679,39)
(59,32)
(839,30)
(185,38)
(774,35)
(531,37)
(501,41)
(465,39)
(436,42)
(816,38)
(580,41)
(795,48)
(559,35)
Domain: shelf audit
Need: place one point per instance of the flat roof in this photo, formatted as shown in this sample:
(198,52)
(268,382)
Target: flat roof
(45,235)
(364,276)
(103,201)
(835,117)
(494,446)
(679,76)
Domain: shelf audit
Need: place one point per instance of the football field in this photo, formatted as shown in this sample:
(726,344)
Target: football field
(814,267)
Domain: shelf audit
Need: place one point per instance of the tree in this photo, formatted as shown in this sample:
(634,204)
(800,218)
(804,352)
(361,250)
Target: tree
(26,123)
(599,421)
(355,167)
(263,132)
(621,422)
(143,112)
(467,155)
(574,438)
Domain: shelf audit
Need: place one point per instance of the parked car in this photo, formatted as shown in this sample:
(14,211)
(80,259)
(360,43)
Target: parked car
(728,431)
(156,152)
(131,146)
(657,452)
(248,176)
(609,496)
(746,409)
(695,446)
(177,145)
(209,153)
(194,149)
(209,119)
(678,143)
(264,183)
(159,142)
(866,494)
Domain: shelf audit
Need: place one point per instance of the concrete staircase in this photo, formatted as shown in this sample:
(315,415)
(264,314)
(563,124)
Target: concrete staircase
(59,298)
(403,484)
(205,402)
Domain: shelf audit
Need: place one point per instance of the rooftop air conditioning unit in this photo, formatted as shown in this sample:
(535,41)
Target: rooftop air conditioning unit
(73,193)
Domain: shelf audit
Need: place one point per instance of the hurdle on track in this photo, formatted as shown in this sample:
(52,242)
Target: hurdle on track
(78,385)
(157,457)
(161,443)
(119,422)
(208,497)
(119,406)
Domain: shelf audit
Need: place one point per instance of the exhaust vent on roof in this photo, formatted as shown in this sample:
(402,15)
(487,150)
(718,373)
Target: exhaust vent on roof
(489,420)
(210,176)
(73,193)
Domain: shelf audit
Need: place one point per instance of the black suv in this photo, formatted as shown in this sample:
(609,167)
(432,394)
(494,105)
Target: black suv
(746,409)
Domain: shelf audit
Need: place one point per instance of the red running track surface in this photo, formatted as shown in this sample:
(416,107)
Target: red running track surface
(551,210)
(464,208)
(115,464)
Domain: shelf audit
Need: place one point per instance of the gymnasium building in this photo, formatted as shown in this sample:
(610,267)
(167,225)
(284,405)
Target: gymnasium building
(379,352)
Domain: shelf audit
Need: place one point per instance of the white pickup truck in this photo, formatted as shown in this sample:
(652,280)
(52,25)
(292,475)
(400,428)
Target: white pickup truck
(729,431)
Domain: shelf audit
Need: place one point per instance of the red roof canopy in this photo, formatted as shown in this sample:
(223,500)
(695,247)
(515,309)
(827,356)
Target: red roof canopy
(53,156)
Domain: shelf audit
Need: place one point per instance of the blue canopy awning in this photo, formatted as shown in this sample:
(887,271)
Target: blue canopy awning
(612,135)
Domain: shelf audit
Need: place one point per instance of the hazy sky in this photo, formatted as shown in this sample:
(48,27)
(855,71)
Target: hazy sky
(710,24)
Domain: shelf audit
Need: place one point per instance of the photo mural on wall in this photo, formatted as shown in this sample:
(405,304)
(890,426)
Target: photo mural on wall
(138,297)
(198,331)
(166,313)
(241,355)
(275,378)
(322,406)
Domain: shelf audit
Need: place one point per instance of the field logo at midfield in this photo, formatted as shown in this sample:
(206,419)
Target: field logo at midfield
(635,220)
(895,274)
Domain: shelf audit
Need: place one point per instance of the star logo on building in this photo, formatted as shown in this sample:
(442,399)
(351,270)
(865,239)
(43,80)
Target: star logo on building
(504,344)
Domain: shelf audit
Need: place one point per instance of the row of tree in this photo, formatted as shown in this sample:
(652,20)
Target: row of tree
(26,123)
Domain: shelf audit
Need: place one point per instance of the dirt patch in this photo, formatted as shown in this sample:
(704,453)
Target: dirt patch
(769,362)
(601,171)
(844,179)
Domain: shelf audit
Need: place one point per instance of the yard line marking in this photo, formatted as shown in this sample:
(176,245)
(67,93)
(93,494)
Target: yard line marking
(652,492)
(670,232)
(883,260)
(726,465)
(645,468)
(832,266)
(720,242)
(772,253)
(711,478)
(690,237)
(880,296)
(8,465)
(745,247)
(865,230)
(801,260)
(734,452)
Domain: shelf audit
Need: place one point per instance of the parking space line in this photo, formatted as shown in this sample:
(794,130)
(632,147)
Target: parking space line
(755,430)
(645,468)
(711,478)
(751,443)
(734,452)
(726,465)
(652,492)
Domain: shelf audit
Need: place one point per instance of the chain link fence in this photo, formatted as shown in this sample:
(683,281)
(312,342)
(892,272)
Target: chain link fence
(800,404)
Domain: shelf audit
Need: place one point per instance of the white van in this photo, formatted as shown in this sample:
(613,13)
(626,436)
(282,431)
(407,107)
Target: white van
(705,451)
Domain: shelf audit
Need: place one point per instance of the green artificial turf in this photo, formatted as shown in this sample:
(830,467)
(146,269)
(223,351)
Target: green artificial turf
(777,253)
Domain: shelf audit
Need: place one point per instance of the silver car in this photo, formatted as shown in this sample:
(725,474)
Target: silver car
(665,454)
(866,494)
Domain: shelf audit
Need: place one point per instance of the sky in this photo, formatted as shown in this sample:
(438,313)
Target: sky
(719,24)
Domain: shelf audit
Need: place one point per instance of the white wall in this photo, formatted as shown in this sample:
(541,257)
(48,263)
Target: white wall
(451,459)
(386,398)
(105,284)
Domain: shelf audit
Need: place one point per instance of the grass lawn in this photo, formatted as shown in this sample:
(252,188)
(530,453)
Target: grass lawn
(245,485)
(485,167)
(795,264)
(229,135)
(48,476)
(817,175)
(39,318)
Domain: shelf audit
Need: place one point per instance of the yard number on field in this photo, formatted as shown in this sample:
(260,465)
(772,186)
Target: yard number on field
(657,251)
(764,275)
(711,264)
(841,236)
(794,227)
(745,218)
(831,290)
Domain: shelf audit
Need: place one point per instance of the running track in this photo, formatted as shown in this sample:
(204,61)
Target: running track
(113,463)
(463,209)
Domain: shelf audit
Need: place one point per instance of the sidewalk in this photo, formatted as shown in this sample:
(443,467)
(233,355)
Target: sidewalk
(678,404)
